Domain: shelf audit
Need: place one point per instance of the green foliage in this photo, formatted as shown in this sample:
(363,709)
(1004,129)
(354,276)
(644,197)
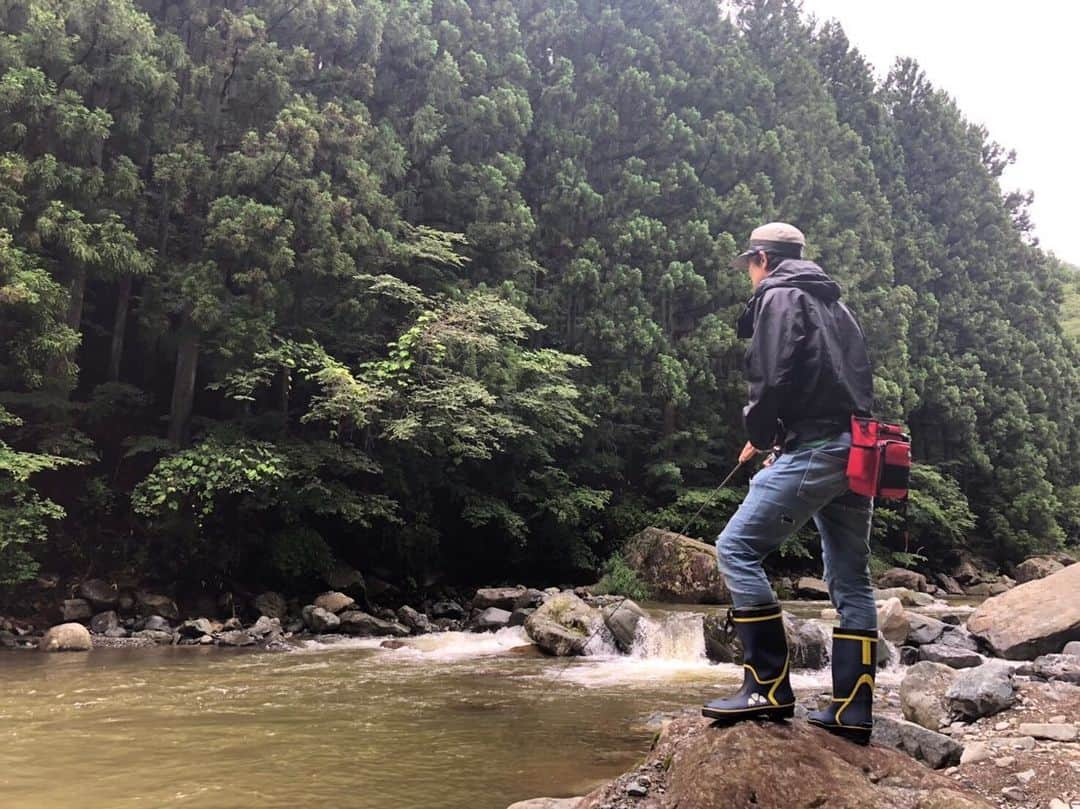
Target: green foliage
(446,283)
(622,580)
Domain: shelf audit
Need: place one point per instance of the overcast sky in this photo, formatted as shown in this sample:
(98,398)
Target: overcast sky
(1011,67)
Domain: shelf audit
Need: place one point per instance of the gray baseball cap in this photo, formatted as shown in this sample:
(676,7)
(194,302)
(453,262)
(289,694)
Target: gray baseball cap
(778,238)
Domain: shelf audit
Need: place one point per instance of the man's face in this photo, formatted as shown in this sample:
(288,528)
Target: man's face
(758,269)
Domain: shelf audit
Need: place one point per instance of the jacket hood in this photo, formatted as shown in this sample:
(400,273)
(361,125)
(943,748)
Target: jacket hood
(806,275)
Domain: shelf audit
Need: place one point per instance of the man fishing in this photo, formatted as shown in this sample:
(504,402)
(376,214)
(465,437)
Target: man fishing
(808,372)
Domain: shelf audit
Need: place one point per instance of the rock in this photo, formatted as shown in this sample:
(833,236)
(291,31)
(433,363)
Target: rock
(721,643)
(355,622)
(1062,668)
(967,572)
(922,694)
(334,602)
(951,656)
(829,614)
(69,637)
(1031,619)
(564,625)
(949,584)
(1025,743)
(907,596)
(1013,793)
(447,609)
(75,609)
(272,605)
(975,752)
(550,803)
(519,616)
(901,577)
(1054,732)
(196,628)
(811,588)
(159,636)
(504,598)
(886,652)
(236,637)
(695,765)
(622,621)
(958,637)
(924,629)
(892,621)
(637,790)
(676,568)
(155,623)
(232,623)
(530,598)
(117,632)
(921,743)
(318,619)
(104,621)
(809,642)
(100,594)
(1072,648)
(1037,567)
(348,580)
(1025,776)
(125,603)
(417,622)
(155,604)
(982,691)
(493,618)
(393,644)
(1057,803)
(909,655)
(266,626)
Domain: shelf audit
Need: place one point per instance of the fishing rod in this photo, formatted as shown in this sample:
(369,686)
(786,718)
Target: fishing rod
(601,624)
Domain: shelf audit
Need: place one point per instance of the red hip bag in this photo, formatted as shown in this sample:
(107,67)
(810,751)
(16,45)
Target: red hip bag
(880,461)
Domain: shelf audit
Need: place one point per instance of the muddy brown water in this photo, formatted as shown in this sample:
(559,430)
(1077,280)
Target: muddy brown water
(452,721)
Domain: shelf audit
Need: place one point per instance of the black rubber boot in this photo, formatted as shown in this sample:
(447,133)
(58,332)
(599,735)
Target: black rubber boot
(766,691)
(854,660)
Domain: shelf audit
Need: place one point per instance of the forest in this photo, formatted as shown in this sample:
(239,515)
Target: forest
(441,290)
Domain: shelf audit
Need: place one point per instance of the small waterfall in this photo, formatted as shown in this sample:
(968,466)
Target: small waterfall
(673,636)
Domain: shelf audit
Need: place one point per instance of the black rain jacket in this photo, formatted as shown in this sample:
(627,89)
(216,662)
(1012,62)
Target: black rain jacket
(807,363)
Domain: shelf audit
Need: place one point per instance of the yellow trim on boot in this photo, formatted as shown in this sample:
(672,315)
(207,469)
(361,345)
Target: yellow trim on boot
(778,617)
(864,678)
(775,680)
(867,657)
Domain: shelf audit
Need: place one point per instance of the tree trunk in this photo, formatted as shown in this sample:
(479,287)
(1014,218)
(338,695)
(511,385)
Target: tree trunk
(116,351)
(183,395)
(75,304)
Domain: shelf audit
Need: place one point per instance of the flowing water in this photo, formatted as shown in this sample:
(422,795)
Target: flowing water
(450,721)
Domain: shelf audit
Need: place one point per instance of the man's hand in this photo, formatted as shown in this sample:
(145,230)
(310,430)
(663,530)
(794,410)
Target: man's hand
(748,452)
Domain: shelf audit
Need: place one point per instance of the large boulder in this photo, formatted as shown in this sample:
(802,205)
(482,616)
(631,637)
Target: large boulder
(1037,567)
(721,643)
(272,605)
(75,609)
(334,602)
(492,618)
(936,749)
(564,625)
(949,584)
(809,642)
(982,691)
(416,621)
(810,588)
(923,629)
(901,577)
(907,596)
(1063,668)
(892,621)
(355,622)
(156,604)
(104,621)
(951,656)
(70,637)
(318,619)
(100,594)
(503,598)
(622,621)
(766,765)
(676,568)
(1031,619)
(922,694)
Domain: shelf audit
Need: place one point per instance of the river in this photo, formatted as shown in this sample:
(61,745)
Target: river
(451,721)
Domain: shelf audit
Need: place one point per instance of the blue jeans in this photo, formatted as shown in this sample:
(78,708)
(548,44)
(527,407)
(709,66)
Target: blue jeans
(803,483)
